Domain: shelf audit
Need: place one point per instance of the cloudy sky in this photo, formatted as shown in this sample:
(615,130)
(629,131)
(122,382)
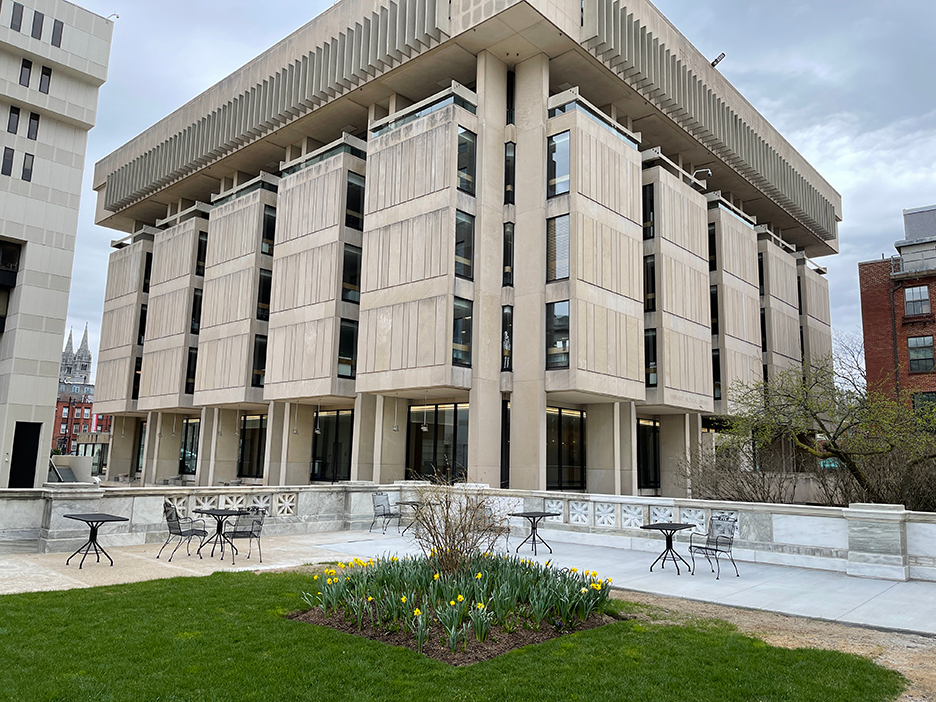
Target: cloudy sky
(849,83)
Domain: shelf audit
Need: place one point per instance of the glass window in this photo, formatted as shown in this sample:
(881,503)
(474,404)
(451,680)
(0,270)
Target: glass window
(269,230)
(137,370)
(16,20)
(259,361)
(33,131)
(437,442)
(920,350)
(147,271)
(713,304)
(347,348)
(87,413)
(763,330)
(141,330)
(63,429)
(916,300)
(64,412)
(141,443)
(507,341)
(351,274)
(190,370)
(565,449)
(57,28)
(196,310)
(716,374)
(6,168)
(923,400)
(188,451)
(648,454)
(464,244)
(13,120)
(649,283)
(84,428)
(508,253)
(38,19)
(331,445)
(461,333)
(252,450)
(354,217)
(557,334)
(760,272)
(511,82)
(467,156)
(799,293)
(45,79)
(28,160)
(200,253)
(649,213)
(510,171)
(557,248)
(712,260)
(25,73)
(650,358)
(557,164)
(263,295)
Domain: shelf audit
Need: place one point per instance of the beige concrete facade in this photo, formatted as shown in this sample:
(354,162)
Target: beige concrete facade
(500,230)
(53,60)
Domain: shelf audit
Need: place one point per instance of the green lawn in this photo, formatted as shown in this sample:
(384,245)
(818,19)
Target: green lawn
(224,638)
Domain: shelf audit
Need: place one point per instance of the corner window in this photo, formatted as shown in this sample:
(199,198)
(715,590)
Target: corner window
(461,333)
(649,283)
(13,120)
(650,358)
(147,271)
(916,300)
(510,171)
(57,28)
(920,351)
(557,335)
(713,304)
(25,73)
(565,449)
(716,374)
(137,370)
(354,215)
(259,361)
(201,253)
(464,244)
(508,254)
(649,213)
(28,160)
(190,370)
(263,295)
(347,348)
(141,330)
(557,164)
(188,451)
(557,248)
(467,155)
(760,273)
(763,330)
(268,235)
(252,450)
(351,274)
(196,310)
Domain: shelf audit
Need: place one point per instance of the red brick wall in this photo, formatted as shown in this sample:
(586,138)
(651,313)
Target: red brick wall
(880,324)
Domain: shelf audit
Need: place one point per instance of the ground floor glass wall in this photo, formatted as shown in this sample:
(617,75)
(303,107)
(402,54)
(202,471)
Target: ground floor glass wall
(565,449)
(331,445)
(648,454)
(188,452)
(437,442)
(252,446)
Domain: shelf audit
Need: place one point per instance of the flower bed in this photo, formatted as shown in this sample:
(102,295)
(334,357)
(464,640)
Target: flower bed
(493,604)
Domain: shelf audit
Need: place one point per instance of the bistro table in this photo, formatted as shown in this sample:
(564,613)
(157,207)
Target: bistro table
(668,529)
(415,505)
(221,516)
(534,518)
(93,520)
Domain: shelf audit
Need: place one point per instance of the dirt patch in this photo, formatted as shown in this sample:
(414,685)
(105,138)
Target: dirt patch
(911,655)
(498,642)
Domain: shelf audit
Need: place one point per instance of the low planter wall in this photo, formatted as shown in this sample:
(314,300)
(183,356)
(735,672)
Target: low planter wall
(881,541)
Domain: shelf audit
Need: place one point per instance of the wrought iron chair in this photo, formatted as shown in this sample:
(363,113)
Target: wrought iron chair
(383,511)
(716,542)
(248,526)
(185,529)
(493,528)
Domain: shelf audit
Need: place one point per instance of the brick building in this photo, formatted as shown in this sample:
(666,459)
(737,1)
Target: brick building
(897,312)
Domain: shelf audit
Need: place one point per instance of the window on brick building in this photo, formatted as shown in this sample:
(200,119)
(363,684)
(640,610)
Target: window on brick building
(924,400)
(920,351)
(916,300)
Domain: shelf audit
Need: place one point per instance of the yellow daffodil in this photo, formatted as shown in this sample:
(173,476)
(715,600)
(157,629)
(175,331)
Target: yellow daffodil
(480,605)
(416,612)
(403,599)
(574,570)
(608,581)
(347,577)
(328,581)
(461,598)
(478,576)
(370,599)
(452,603)
(435,577)
(594,573)
(315,577)
(547,563)
(341,565)
(583,590)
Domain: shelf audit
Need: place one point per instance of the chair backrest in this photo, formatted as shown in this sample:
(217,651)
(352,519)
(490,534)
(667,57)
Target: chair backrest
(252,522)
(172,518)
(381,503)
(721,525)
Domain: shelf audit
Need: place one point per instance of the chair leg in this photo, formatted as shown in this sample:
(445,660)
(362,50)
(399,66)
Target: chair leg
(734,564)
(164,546)
(692,555)
(176,548)
(373,523)
(719,566)
(259,552)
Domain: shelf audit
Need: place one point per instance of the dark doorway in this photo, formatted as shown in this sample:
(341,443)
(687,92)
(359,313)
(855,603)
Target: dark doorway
(648,454)
(25,454)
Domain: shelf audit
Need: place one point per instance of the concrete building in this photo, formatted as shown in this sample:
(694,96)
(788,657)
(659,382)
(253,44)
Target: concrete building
(529,244)
(897,312)
(53,60)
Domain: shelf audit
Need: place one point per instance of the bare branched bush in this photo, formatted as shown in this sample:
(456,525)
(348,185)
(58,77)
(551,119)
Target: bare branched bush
(454,523)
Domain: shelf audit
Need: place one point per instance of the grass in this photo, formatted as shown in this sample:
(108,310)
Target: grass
(224,637)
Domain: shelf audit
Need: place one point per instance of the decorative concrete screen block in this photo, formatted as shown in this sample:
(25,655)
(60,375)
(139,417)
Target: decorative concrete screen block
(260,502)
(631,516)
(578,512)
(180,502)
(661,514)
(688,515)
(232,502)
(604,514)
(206,502)
(554,506)
(285,504)
(731,514)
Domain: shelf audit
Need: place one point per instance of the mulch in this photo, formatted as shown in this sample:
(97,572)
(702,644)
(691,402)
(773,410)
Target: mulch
(498,642)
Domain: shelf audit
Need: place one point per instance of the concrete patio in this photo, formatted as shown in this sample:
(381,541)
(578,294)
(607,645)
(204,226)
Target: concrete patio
(885,604)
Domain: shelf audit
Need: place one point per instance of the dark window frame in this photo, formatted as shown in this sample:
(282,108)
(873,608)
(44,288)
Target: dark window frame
(6,166)
(650,283)
(467,161)
(920,355)
(347,348)
(351,274)
(37,23)
(354,197)
(558,346)
(197,299)
(558,248)
(264,294)
(510,173)
(58,27)
(508,255)
(45,80)
(13,120)
(32,130)
(25,73)
(29,161)
(258,367)
(462,332)
(558,164)
(190,368)
(16,17)
(651,369)
(916,300)
(464,245)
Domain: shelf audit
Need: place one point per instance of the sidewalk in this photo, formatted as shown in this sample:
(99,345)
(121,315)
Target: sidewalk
(884,604)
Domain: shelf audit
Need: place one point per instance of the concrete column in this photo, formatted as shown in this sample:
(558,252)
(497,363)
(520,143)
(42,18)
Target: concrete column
(297,459)
(877,541)
(362,445)
(390,445)
(600,454)
(206,430)
(168,446)
(676,438)
(148,471)
(528,400)
(484,399)
(274,451)
(120,457)
(626,460)
(213,455)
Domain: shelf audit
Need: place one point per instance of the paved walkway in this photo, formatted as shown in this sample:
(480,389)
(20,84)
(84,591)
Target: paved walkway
(885,604)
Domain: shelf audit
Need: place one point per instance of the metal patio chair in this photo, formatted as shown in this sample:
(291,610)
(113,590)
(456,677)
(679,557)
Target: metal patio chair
(716,542)
(185,529)
(382,510)
(248,526)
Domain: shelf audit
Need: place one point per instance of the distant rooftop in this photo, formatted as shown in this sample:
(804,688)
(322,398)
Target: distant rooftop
(919,223)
